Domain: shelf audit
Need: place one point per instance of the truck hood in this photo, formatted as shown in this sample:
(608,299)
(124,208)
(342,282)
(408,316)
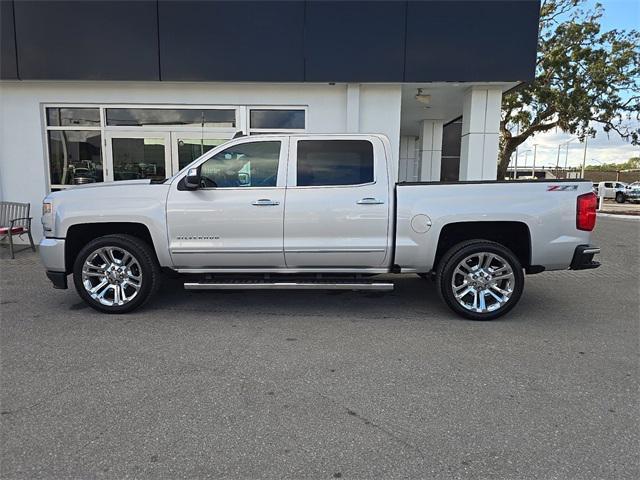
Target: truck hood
(108,191)
(144,181)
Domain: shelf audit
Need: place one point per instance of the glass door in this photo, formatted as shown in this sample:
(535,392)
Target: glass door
(137,155)
(187,146)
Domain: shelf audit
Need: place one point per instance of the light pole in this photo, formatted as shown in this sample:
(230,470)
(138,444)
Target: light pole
(515,174)
(566,156)
(584,156)
(533,169)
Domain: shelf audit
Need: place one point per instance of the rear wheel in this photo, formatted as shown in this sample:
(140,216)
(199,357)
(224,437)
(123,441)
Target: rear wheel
(480,280)
(116,273)
(620,197)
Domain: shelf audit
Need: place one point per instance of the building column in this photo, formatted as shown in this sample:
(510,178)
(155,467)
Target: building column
(480,133)
(430,150)
(353,108)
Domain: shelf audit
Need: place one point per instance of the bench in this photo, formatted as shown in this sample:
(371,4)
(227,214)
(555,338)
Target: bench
(15,220)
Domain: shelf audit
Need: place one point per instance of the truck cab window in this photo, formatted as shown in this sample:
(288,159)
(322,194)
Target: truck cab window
(334,162)
(252,164)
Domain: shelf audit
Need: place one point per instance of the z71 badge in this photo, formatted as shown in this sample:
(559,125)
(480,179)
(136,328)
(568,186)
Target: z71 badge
(562,188)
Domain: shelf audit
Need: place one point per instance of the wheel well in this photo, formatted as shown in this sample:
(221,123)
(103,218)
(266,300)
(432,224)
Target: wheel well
(79,235)
(513,235)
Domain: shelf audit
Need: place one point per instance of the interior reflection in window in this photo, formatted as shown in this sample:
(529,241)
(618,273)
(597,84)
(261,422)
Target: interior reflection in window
(75,157)
(136,158)
(191,148)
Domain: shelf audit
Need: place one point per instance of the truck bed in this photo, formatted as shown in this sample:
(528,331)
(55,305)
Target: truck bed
(545,208)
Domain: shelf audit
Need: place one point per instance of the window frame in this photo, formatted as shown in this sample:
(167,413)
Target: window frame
(171,128)
(242,112)
(47,156)
(292,178)
(275,131)
(283,163)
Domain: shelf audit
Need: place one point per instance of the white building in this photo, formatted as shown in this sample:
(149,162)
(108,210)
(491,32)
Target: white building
(67,119)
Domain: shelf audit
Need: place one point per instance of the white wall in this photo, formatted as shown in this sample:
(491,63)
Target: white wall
(380,107)
(23,165)
(480,133)
(408,165)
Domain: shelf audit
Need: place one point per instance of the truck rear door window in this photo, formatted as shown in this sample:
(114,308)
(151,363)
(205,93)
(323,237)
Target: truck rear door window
(334,162)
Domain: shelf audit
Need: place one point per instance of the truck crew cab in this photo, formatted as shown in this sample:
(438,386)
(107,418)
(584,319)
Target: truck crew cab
(313,212)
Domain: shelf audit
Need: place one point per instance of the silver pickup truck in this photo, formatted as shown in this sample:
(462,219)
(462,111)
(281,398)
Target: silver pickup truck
(314,212)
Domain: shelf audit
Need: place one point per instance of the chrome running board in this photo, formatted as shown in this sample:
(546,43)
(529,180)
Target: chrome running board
(281,285)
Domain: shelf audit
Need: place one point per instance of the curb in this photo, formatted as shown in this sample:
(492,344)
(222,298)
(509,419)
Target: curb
(620,216)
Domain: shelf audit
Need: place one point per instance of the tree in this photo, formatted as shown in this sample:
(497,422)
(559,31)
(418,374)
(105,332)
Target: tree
(632,164)
(583,77)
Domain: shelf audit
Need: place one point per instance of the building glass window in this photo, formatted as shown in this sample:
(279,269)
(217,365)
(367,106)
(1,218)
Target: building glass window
(142,117)
(71,117)
(136,158)
(191,148)
(334,162)
(136,134)
(75,157)
(277,119)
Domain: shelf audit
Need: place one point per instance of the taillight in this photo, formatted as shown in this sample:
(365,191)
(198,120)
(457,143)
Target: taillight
(586,211)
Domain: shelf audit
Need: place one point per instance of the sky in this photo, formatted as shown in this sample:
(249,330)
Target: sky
(620,14)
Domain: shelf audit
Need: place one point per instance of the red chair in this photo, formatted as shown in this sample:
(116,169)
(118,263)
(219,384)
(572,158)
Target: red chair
(15,220)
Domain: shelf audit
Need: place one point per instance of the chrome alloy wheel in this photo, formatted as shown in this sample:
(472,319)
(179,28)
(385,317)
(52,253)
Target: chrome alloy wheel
(483,282)
(112,276)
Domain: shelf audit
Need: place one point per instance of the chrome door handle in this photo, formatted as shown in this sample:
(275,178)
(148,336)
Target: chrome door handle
(369,201)
(264,202)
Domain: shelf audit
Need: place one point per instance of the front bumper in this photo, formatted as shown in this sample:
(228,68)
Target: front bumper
(52,256)
(583,257)
(59,279)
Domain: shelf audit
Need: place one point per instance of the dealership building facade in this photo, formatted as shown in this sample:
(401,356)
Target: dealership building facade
(108,91)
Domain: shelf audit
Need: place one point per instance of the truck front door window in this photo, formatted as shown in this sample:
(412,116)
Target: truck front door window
(252,164)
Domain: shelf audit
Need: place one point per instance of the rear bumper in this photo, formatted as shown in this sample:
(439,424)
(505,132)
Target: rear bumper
(583,257)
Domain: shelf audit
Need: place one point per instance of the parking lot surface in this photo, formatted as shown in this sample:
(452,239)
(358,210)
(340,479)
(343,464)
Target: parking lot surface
(326,385)
(610,206)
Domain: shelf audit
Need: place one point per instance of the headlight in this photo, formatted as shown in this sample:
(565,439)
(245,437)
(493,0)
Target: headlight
(47,208)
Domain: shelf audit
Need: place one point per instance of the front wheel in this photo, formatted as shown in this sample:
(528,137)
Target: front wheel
(116,273)
(480,280)
(619,197)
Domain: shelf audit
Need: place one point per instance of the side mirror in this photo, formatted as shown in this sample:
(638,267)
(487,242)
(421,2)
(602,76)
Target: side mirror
(192,180)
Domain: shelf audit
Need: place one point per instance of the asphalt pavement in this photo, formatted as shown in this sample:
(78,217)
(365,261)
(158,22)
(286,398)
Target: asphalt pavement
(282,384)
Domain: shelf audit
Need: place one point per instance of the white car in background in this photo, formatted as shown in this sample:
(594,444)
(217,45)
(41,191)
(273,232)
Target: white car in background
(632,193)
(612,190)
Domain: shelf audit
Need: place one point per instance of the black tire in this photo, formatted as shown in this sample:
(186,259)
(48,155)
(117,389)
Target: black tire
(426,276)
(620,197)
(145,256)
(450,261)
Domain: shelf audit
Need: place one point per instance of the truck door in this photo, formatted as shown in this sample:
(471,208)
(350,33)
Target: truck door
(338,209)
(236,218)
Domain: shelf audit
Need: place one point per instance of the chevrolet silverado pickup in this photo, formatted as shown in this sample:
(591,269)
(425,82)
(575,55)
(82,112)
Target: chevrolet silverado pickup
(314,212)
